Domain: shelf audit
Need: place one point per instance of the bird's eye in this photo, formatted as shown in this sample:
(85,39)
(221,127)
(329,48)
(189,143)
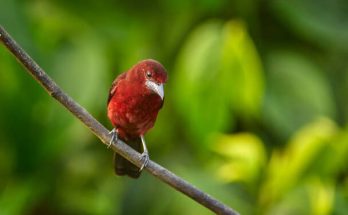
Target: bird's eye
(148,74)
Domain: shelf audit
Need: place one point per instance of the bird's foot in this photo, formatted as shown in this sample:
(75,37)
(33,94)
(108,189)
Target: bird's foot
(145,159)
(114,137)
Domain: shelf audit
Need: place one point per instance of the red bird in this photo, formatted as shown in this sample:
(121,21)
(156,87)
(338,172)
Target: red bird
(134,100)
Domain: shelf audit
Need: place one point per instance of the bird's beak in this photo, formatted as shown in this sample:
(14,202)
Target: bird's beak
(157,88)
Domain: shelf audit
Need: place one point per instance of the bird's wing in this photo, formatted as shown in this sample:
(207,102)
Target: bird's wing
(115,84)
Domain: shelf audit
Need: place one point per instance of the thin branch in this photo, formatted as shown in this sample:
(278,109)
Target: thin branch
(103,134)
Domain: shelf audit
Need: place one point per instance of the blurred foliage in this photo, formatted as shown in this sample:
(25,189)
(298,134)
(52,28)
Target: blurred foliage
(255,114)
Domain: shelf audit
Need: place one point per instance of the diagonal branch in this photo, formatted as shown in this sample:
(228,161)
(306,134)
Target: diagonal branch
(103,134)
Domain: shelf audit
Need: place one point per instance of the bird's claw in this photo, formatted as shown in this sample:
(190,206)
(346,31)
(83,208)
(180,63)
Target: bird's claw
(145,158)
(114,137)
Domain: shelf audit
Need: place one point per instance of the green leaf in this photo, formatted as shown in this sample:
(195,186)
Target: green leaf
(297,94)
(289,167)
(244,154)
(217,70)
(242,74)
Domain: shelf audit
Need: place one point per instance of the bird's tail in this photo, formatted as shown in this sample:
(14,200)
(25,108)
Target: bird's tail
(122,166)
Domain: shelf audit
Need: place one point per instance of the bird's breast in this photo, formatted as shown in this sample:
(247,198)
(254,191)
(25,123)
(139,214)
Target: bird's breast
(134,114)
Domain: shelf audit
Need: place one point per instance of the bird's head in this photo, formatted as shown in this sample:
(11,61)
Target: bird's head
(152,75)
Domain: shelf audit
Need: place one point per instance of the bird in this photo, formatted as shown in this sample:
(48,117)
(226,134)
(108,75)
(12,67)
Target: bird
(134,100)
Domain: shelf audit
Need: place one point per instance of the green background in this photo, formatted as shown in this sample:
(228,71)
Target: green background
(255,112)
